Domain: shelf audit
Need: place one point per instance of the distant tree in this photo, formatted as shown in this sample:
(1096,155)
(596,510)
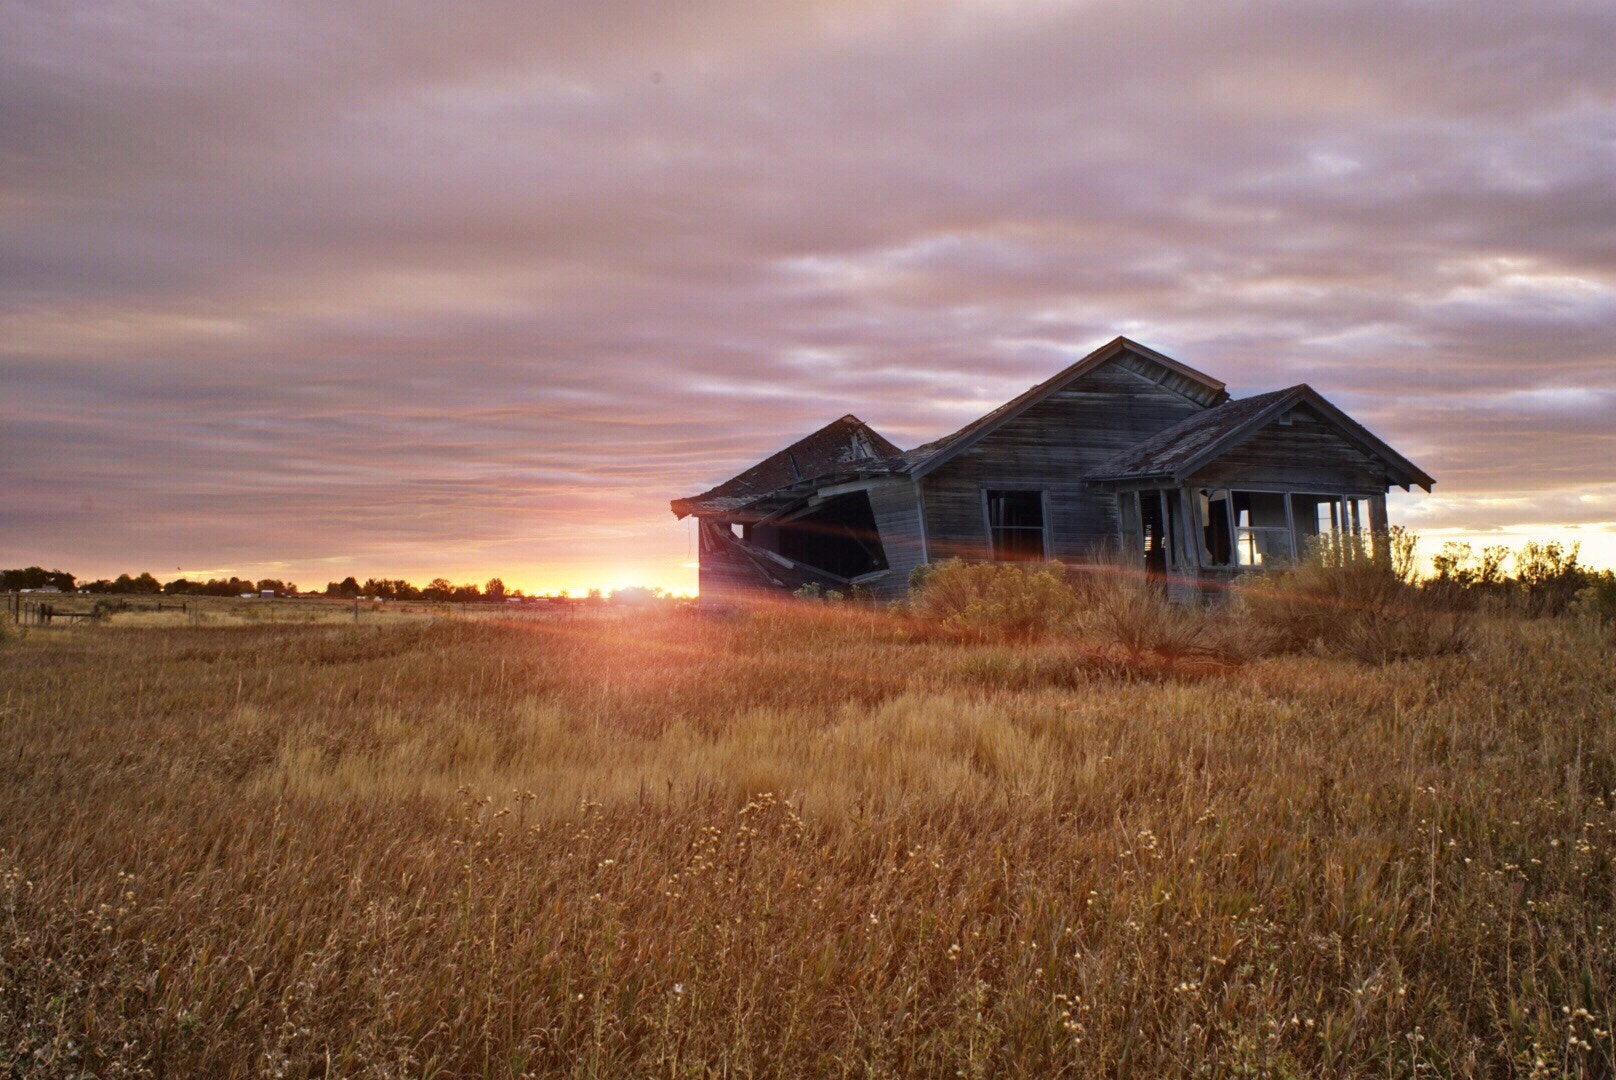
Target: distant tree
(494,590)
(30,577)
(274,585)
(466,594)
(438,589)
(346,587)
(179,587)
(1549,576)
(35,577)
(593,596)
(100,585)
(388,589)
(145,583)
(232,586)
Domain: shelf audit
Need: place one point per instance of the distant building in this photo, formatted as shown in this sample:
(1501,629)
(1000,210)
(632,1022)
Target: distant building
(1126,450)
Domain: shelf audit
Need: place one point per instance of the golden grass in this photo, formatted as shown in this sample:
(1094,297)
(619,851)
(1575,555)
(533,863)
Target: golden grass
(811,841)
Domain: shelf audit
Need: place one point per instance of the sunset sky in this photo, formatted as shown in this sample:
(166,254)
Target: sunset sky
(309,289)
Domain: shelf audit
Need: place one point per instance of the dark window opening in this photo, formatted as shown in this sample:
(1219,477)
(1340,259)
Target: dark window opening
(1215,532)
(1016,525)
(839,536)
(1154,533)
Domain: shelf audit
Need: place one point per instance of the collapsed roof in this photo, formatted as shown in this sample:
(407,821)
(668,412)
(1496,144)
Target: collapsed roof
(839,446)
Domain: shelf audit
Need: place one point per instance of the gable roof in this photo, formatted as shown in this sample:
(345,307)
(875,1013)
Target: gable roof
(1181,378)
(1175,452)
(831,449)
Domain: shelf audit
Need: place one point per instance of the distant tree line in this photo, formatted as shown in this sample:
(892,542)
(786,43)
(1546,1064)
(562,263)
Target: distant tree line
(439,589)
(35,577)
(1538,579)
(231,586)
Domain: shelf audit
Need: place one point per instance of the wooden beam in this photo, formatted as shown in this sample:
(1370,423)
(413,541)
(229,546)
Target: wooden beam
(1290,524)
(1196,527)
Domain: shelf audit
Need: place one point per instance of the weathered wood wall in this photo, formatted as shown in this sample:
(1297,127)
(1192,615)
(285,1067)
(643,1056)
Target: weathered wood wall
(722,578)
(1051,447)
(897,516)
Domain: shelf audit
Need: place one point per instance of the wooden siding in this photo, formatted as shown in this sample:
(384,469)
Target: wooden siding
(897,516)
(1304,455)
(722,580)
(1051,447)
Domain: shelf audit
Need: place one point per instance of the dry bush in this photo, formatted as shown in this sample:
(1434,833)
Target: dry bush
(800,842)
(1129,611)
(1351,596)
(1109,604)
(1597,598)
(996,599)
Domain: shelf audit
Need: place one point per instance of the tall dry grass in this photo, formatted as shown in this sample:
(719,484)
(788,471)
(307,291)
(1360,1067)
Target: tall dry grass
(802,842)
(1356,596)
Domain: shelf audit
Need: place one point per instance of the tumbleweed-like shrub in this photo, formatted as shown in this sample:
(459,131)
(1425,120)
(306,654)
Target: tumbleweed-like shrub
(996,599)
(1350,596)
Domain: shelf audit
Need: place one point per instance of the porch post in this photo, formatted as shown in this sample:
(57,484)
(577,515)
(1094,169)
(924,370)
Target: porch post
(1290,526)
(1189,520)
(1128,525)
(1378,526)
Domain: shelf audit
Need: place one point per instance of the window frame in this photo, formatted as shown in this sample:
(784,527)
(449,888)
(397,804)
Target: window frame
(1249,536)
(1046,546)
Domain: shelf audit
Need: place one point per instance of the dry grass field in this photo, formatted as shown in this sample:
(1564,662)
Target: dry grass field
(818,841)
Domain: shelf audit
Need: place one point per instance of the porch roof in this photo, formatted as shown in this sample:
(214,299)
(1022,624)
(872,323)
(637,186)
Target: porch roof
(1176,452)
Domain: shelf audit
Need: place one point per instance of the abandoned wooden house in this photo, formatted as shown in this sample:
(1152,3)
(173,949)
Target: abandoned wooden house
(1126,450)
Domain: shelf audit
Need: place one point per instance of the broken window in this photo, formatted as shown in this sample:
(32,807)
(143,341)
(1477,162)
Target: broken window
(1316,515)
(1328,520)
(1358,513)
(1016,525)
(838,536)
(1262,532)
(1215,526)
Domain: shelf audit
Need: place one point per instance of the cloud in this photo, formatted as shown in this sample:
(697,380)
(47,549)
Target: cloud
(438,289)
